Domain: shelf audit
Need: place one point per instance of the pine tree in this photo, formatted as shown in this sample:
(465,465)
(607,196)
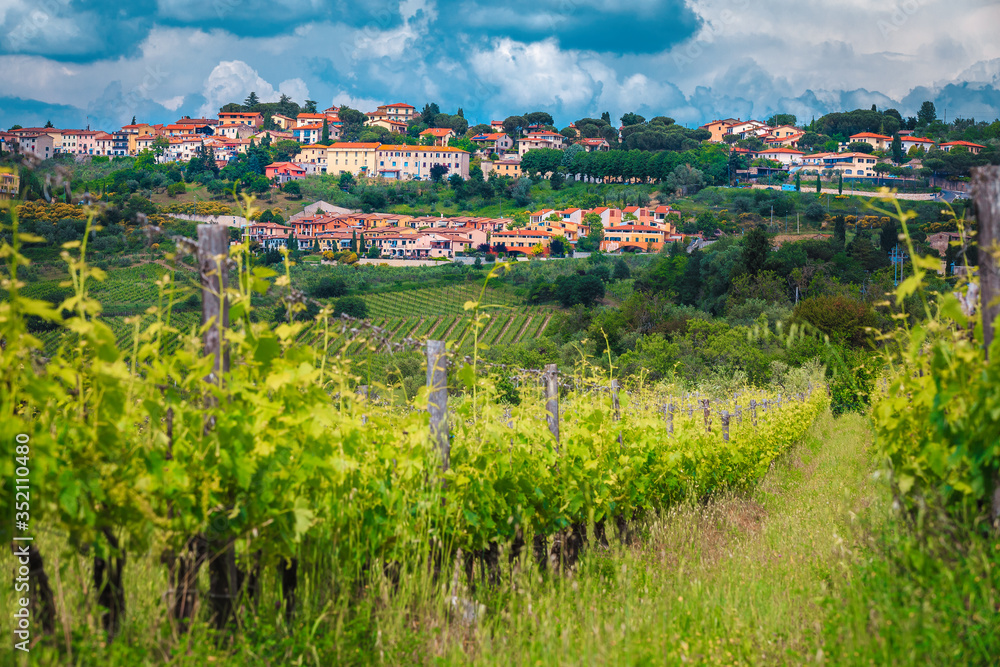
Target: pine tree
(798,182)
(819,187)
(133,120)
(326,132)
(840,184)
(354,242)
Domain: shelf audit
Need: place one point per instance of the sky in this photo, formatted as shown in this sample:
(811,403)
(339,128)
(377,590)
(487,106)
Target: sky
(98,63)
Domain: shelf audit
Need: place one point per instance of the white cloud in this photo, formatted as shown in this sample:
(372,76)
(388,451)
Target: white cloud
(536,74)
(342,98)
(233,80)
(174,103)
(295,88)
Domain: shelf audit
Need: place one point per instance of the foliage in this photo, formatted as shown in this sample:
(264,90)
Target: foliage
(843,319)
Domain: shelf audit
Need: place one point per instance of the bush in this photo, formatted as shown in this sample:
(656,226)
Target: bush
(329,287)
(622,271)
(584,290)
(815,212)
(842,318)
(354,306)
(176,189)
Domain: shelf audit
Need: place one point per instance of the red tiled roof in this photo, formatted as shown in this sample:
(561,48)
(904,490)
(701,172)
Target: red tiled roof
(870,135)
(780,150)
(967,144)
(438,131)
(634,228)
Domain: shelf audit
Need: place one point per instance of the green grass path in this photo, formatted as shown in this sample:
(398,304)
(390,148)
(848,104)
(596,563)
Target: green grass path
(737,581)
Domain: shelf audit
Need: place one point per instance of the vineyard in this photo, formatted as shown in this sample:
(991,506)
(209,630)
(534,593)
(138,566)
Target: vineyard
(449,300)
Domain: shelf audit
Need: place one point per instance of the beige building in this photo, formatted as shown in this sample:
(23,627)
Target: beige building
(415,162)
(251,118)
(313,154)
(521,240)
(10,181)
(879,142)
(510,167)
(354,157)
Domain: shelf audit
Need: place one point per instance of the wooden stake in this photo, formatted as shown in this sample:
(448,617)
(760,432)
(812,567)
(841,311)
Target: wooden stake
(616,406)
(437,398)
(552,401)
(213,256)
(725,426)
(985,189)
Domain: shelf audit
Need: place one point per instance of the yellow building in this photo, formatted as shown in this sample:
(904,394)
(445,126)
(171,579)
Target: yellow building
(639,238)
(510,168)
(521,240)
(10,183)
(354,157)
(313,154)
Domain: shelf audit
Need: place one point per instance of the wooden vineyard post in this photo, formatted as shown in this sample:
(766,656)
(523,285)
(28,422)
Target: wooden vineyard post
(437,399)
(616,407)
(986,194)
(670,419)
(753,411)
(213,270)
(213,256)
(552,400)
(708,412)
(614,399)
(725,426)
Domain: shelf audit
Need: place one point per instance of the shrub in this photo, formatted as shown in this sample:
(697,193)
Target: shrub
(842,318)
(354,306)
(329,287)
(176,189)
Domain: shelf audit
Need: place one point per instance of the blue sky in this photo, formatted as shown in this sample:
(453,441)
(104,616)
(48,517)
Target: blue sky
(80,61)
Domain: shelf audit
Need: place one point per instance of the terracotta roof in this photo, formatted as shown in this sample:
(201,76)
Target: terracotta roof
(399,105)
(634,228)
(780,150)
(870,135)
(523,232)
(438,131)
(353,144)
(425,149)
(967,144)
